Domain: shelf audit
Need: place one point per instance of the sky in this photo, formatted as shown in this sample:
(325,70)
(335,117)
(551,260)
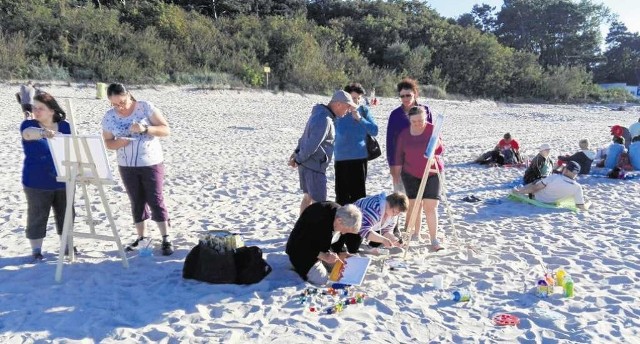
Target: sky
(627,10)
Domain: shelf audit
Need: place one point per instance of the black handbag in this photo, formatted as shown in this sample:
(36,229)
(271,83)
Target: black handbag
(373,148)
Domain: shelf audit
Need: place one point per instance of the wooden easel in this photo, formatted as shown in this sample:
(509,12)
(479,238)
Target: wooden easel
(83,173)
(417,205)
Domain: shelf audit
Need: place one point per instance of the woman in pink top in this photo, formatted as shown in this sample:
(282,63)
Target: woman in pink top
(410,162)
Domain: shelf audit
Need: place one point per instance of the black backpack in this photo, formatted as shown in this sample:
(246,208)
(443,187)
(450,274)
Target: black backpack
(243,266)
(250,266)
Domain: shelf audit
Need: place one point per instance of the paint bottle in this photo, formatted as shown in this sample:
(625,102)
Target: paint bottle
(568,286)
(560,277)
(461,295)
(543,288)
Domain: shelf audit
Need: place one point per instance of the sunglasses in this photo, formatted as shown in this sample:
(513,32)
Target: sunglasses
(406,95)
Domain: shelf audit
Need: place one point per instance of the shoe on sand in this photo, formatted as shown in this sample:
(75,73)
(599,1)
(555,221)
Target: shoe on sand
(167,248)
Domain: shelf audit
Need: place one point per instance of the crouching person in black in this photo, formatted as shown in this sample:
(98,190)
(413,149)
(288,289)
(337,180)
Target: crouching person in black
(320,225)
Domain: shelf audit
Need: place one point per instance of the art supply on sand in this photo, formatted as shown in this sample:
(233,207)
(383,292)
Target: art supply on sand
(461,295)
(506,320)
(568,286)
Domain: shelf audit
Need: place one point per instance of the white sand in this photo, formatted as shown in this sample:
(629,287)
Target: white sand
(226,169)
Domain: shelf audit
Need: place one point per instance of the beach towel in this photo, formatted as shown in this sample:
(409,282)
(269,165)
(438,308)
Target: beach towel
(525,199)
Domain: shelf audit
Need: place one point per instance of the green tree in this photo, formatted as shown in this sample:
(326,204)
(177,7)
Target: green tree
(560,32)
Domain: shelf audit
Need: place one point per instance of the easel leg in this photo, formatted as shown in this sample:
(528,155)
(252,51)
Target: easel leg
(112,223)
(87,207)
(447,205)
(67,228)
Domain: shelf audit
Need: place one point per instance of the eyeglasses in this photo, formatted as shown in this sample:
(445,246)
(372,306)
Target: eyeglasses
(406,95)
(121,104)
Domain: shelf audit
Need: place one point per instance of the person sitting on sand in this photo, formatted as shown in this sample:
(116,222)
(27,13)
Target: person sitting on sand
(320,225)
(557,187)
(634,153)
(379,216)
(506,152)
(620,131)
(540,166)
(614,151)
(584,157)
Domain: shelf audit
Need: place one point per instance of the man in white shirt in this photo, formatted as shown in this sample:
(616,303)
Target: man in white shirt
(634,129)
(557,187)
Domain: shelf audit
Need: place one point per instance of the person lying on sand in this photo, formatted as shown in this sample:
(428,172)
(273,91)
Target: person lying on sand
(557,187)
(320,225)
(379,215)
(506,152)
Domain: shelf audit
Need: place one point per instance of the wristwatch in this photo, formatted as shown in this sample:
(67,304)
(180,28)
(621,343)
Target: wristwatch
(145,128)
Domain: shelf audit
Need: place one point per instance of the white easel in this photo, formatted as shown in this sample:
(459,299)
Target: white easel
(78,167)
(430,156)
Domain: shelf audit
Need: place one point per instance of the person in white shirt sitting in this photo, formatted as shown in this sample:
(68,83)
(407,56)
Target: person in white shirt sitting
(557,187)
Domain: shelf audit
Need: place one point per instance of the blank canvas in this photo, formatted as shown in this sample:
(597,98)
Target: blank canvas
(96,148)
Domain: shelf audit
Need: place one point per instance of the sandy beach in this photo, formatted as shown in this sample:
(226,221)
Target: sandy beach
(226,163)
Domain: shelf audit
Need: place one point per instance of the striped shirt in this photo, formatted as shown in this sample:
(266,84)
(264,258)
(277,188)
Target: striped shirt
(144,150)
(372,209)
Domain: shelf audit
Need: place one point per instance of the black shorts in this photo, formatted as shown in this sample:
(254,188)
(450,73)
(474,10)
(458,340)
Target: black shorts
(412,184)
(27,108)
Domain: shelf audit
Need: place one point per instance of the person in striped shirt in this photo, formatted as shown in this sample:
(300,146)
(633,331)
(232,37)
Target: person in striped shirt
(379,215)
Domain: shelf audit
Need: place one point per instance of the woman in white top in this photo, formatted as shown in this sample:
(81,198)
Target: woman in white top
(132,129)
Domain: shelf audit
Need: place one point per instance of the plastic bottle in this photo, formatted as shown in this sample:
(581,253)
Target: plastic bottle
(461,295)
(560,277)
(568,286)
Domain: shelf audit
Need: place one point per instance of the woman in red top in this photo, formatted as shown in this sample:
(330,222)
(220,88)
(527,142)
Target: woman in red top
(411,164)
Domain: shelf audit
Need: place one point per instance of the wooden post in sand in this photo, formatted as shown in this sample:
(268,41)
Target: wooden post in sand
(76,163)
(430,155)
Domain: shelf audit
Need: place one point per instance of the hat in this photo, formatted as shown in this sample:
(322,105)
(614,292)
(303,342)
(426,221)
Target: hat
(544,146)
(573,166)
(616,130)
(343,97)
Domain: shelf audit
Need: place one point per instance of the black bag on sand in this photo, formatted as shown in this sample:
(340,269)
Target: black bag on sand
(250,266)
(206,265)
(245,265)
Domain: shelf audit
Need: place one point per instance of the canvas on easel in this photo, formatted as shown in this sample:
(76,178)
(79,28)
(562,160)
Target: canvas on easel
(81,160)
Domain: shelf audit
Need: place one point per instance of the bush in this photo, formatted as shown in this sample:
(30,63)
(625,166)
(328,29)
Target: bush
(13,60)
(432,91)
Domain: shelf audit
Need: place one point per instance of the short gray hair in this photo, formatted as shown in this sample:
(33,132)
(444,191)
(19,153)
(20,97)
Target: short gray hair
(584,144)
(350,216)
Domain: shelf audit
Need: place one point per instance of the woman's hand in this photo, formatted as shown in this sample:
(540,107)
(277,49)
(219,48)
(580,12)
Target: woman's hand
(48,133)
(138,128)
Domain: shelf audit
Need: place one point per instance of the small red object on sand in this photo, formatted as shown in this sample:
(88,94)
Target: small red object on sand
(506,320)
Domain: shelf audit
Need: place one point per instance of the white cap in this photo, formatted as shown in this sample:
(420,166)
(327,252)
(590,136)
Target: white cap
(544,146)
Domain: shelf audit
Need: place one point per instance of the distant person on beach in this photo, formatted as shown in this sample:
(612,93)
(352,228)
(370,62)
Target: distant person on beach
(616,148)
(41,188)
(584,157)
(557,187)
(132,128)
(620,131)
(379,215)
(540,166)
(634,153)
(351,148)
(411,165)
(634,129)
(309,243)
(506,152)
(25,97)
(315,148)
